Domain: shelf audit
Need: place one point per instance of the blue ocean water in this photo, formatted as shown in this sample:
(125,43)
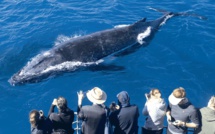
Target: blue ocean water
(181,54)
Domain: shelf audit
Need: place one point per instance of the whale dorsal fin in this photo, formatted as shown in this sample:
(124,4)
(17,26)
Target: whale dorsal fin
(140,21)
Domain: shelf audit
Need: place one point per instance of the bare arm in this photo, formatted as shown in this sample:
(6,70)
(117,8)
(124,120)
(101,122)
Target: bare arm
(184,124)
(191,125)
(168,115)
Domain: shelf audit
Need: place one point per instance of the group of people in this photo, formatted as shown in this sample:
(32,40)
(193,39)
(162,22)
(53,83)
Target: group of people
(180,114)
(55,123)
(122,118)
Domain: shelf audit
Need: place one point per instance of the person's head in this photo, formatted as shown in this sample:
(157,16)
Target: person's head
(61,104)
(155,93)
(123,99)
(34,116)
(211,103)
(96,96)
(177,96)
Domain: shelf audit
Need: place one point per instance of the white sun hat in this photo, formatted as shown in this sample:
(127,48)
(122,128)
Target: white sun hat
(173,100)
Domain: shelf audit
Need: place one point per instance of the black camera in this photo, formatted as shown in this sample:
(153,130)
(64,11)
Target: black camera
(113,106)
(41,113)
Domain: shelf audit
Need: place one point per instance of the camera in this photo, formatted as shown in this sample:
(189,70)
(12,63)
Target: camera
(175,122)
(113,106)
(41,113)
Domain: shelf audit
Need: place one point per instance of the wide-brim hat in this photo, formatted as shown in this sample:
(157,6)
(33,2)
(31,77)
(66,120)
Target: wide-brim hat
(173,100)
(96,95)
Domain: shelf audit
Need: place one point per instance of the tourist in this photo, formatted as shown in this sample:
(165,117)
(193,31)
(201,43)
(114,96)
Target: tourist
(62,121)
(39,123)
(93,116)
(125,118)
(207,118)
(155,110)
(181,114)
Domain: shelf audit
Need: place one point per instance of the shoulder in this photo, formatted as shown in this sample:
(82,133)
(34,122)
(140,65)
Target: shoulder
(87,108)
(133,105)
(53,115)
(136,107)
(192,109)
(163,101)
(114,113)
(70,111)
(204,109)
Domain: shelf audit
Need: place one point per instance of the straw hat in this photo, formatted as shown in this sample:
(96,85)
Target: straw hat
(96,95)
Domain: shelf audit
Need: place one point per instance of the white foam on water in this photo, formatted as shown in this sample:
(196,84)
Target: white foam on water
(143,35)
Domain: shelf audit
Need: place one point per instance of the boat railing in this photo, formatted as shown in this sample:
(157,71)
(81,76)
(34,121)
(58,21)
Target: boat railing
(77,126)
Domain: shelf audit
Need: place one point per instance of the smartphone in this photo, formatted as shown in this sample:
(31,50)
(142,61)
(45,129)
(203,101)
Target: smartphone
(147,96)
(175,123)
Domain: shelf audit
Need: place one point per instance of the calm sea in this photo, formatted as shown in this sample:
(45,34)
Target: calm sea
(181,54)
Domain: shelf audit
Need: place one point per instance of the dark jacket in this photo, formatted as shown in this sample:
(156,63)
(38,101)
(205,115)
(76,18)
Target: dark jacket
(62,121)
(125,120)
(93,117)
(185,112)
(44,126)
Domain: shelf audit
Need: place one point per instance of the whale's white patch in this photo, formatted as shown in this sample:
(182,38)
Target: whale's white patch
(120,26)
(62,66)
(69,65)
(47,53)
(34,61)
(62,38)
(143,35)
(166,18)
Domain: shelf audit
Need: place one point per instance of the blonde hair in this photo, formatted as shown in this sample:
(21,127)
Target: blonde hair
(212,102)
(152,92)
(179,92)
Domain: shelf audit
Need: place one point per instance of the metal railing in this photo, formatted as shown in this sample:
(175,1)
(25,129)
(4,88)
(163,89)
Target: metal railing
(77,126)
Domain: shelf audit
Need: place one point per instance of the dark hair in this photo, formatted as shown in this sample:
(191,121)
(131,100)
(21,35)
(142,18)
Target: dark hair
(62,103)
(34,116)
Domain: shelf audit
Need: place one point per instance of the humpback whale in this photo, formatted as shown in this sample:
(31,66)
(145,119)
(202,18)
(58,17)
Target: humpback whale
(88,49)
